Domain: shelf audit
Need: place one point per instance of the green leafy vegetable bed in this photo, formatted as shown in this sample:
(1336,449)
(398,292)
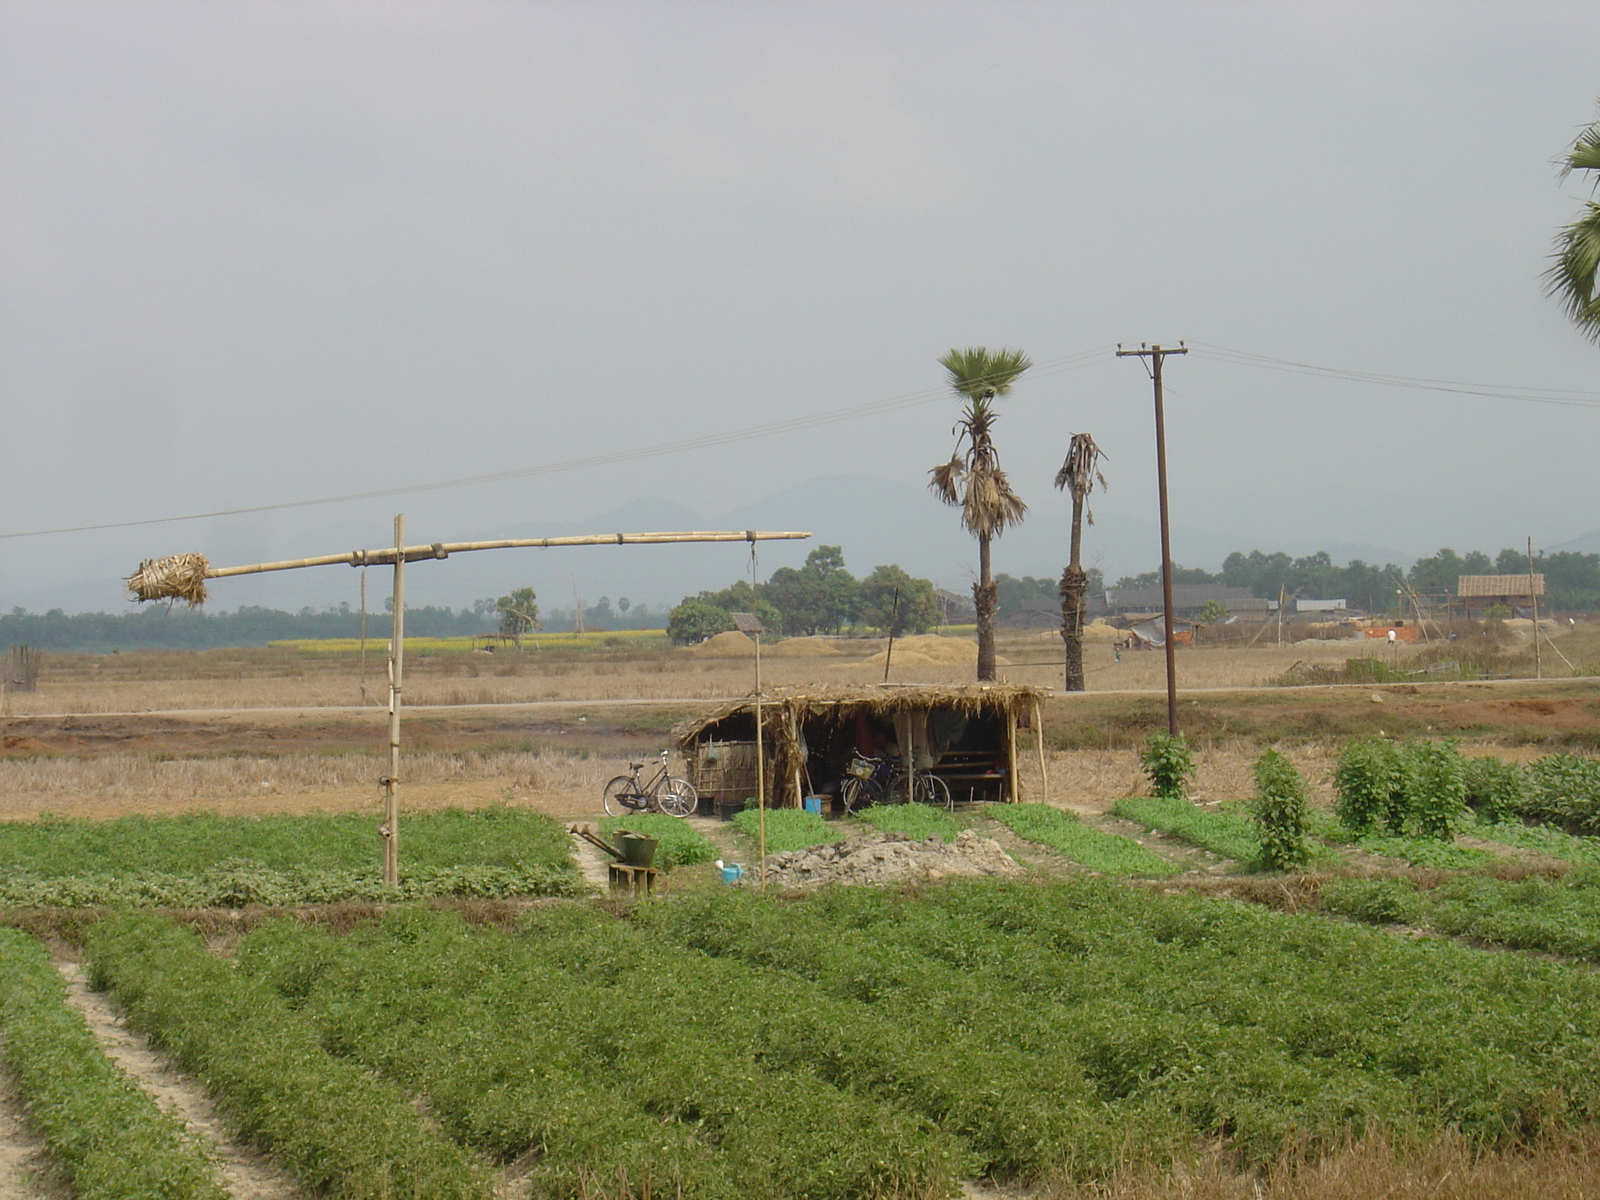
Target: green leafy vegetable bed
(1094,848)
(339,1130)
(861,1043)
(205,860)
(1557,916)
(1225,833)
(98,1124)
(787,829)
(917,821)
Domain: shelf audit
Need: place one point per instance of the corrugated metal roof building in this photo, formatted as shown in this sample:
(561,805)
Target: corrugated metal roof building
(1498,587)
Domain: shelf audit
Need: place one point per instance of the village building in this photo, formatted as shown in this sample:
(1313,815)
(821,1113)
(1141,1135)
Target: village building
(1478,592)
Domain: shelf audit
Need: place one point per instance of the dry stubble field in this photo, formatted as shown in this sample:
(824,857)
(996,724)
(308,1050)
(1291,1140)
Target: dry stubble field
(278,730)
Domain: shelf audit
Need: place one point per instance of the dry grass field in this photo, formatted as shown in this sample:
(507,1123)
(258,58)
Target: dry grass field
(283,729)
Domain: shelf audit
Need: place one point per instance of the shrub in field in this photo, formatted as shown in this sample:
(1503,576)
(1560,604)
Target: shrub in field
(787,828)
(1495,789)
(679,844)
(1167,765)
(1436,788)
(1068,836)
(1564,790)
(339,1130)
(917,821)
(1224,833)
(1279,810)
(98,1124)
(1367,778)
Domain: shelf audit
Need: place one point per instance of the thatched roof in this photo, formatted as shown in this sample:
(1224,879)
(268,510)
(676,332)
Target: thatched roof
(879,700)
(1498,585)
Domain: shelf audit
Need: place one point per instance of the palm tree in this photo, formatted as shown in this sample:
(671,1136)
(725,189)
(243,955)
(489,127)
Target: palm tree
(974,482)
(1078,475)
(1573,278)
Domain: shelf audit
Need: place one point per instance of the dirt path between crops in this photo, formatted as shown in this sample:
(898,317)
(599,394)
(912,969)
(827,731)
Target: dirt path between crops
(246,1174)
(25,1170)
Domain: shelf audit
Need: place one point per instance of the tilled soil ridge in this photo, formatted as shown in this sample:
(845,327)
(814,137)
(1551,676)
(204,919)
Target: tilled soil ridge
(888,858)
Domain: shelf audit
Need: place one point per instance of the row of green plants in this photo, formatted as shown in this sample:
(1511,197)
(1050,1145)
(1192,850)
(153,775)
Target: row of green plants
(917,821)
(1557,916)
(1071,838)
(786,829)
(500,835)
(858,1043)
(204,860)
(339,1130)
(103,1129)
(242,883)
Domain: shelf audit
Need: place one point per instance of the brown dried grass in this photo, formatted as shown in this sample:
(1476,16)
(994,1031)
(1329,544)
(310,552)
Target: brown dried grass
(1444,1167)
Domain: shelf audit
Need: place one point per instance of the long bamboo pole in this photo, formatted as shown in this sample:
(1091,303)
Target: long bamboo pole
(397,658)
(376,558)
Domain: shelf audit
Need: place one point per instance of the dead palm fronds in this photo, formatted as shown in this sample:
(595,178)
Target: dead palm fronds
(1078,476)
(974,481)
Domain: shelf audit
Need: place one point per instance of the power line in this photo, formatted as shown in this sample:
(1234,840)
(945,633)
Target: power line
(1572,397)
(856,412)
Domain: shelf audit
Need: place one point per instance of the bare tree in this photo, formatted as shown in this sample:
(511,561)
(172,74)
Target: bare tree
(1078,475)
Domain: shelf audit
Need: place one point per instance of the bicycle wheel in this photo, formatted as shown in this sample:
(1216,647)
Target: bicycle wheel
(621,796)
(676,797)
(859,793)
(935,793)
(897,791)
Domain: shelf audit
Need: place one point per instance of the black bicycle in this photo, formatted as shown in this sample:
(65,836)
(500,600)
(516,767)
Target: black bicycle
(869,780)
(664,793)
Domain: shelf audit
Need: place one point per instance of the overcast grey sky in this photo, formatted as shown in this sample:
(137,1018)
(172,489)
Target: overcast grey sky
(256,253)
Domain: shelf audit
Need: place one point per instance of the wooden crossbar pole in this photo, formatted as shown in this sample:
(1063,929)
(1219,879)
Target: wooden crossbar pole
(377,558)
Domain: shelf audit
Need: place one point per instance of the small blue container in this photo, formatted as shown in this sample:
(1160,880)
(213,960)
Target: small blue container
(813,804)
(732,873)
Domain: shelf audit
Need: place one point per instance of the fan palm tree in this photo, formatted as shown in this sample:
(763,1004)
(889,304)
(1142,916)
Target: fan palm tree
(974,482)
(1078,475)
(1573,278)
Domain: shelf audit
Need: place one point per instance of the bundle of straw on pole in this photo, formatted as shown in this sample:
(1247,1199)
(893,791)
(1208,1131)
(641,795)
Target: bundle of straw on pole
(176,577)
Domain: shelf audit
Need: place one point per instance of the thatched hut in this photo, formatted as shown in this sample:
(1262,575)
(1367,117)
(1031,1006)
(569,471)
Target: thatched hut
(966,735)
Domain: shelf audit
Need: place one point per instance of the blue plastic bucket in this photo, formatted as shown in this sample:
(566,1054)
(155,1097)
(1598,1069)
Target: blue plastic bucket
(813,804)
(732,873)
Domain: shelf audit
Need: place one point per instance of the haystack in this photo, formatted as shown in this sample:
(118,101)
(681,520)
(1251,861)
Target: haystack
(731,644)
(801,647)
(176,577)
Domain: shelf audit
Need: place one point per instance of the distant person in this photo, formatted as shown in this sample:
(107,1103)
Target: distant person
(1392,637)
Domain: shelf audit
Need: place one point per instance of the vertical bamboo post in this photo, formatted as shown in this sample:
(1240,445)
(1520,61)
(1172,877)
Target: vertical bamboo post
(1038,730)
(363,637)
(1011,757)
(397,654)
(1533,599)
(908,752)
(761,773)
(797,764)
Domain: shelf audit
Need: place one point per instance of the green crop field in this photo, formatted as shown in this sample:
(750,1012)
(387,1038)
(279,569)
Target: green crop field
(1071,838)
(205,860)
(854,1042)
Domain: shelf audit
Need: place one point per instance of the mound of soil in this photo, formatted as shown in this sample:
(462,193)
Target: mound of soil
(888,858)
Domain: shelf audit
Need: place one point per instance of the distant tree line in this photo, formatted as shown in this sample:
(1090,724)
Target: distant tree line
(1572,581)
(158,627)
(818,598)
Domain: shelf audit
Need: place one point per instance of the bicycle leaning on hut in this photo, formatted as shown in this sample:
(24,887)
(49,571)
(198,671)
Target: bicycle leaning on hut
(663,793)
(869,780)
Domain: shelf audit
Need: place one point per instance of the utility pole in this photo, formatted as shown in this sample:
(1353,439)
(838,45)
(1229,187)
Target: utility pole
(1533,599)
(1156,354)
(397,657)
